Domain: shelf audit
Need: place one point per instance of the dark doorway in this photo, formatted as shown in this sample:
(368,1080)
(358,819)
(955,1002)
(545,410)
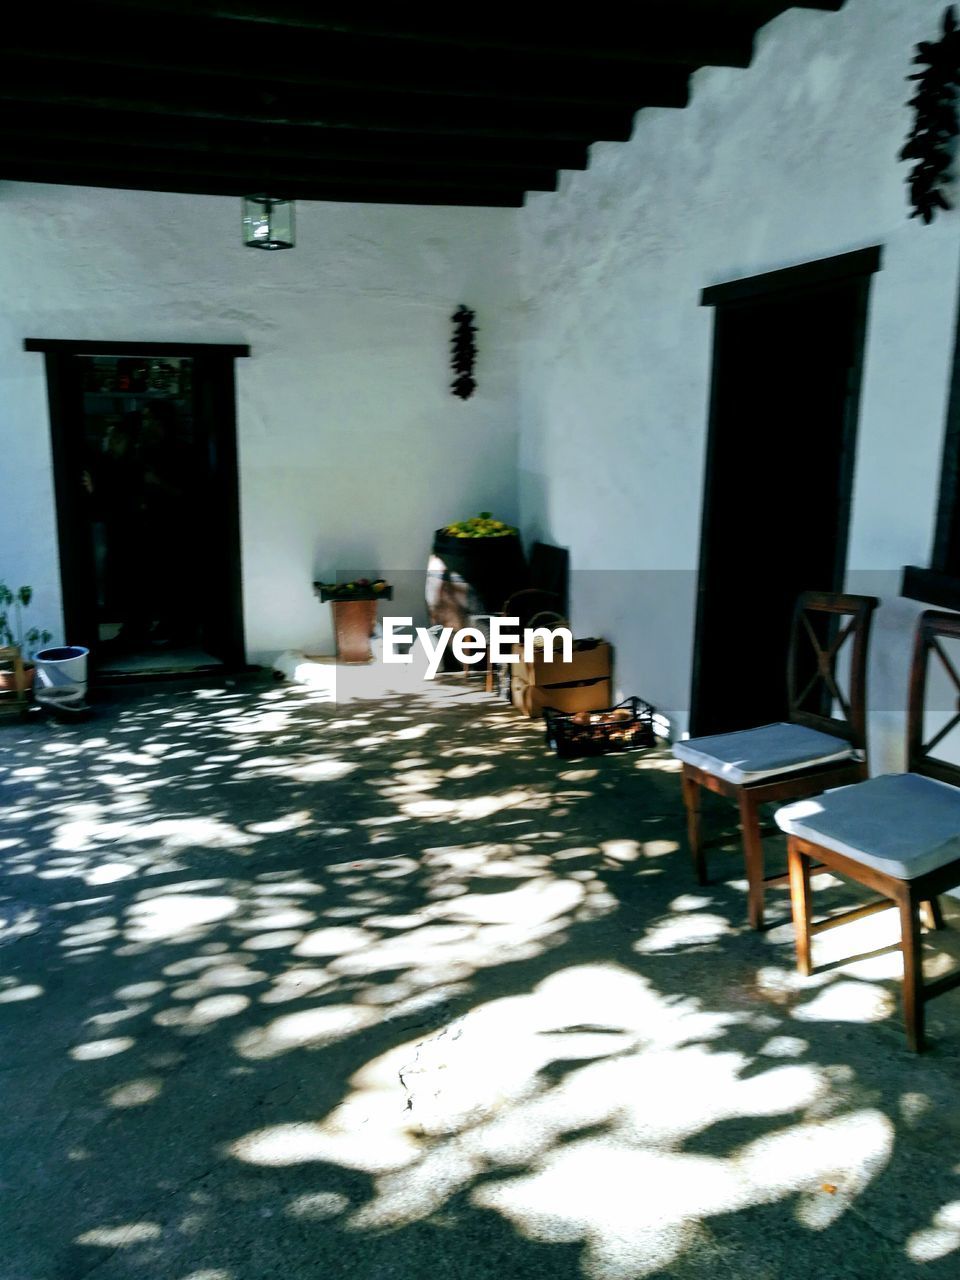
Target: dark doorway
(145,467)
(784,401)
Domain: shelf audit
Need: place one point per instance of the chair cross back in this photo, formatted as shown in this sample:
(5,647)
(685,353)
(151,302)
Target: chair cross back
(932,628)
(846,619)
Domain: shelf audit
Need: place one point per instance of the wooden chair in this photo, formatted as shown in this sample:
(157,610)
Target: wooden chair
(815,750)
(899,834)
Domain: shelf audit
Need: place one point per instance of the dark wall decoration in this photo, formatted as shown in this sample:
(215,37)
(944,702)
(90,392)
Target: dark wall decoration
(463,355)
(935,125)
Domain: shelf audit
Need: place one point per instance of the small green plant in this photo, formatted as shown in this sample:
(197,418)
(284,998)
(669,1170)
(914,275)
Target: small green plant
(11,628)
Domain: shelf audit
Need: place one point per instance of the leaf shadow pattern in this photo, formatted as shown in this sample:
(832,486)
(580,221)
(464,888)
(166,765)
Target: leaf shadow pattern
(371,990)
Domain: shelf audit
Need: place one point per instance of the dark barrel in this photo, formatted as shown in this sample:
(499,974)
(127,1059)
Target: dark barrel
(472,575)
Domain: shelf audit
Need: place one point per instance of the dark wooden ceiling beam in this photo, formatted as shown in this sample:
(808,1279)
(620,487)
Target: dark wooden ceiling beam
(360,193)
(382,103)
(385,112)
(668,31)
(270,173)
(103,130)
(263,56)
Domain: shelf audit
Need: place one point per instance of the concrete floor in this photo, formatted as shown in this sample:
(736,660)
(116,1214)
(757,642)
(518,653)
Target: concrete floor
(387,991)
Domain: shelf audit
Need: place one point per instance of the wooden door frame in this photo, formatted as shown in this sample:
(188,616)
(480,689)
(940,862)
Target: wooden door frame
(64,403)
(808,278)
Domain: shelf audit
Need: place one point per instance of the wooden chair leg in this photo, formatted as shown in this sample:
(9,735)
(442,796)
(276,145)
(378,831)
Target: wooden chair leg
(931,914)
(799,865)
(753,858)
(691,800)
(912,972)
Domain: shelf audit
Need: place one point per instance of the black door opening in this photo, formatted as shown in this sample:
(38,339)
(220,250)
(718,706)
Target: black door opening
(787,357)
(145,470)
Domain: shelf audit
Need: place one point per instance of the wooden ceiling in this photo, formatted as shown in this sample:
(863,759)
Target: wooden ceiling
(437,105)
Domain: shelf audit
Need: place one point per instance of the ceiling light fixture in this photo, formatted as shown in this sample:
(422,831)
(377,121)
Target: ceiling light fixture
(268,223)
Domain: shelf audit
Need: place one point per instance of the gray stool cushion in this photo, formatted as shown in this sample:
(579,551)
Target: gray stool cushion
(901,823)
(751,754)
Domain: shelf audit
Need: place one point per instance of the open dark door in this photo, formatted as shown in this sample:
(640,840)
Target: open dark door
(145,468)
(785,395)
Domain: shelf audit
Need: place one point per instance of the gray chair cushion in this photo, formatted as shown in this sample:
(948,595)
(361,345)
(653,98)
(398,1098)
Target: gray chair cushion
(751,754)
(900,823)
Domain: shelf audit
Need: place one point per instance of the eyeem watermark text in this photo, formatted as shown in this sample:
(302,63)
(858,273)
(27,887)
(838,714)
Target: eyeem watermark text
(469,644)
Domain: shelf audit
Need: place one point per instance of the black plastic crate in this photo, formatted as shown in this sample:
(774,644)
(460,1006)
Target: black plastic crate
(626,727)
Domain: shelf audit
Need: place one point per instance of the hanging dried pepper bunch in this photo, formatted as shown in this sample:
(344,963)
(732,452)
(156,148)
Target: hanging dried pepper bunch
(463,352)
(930,144)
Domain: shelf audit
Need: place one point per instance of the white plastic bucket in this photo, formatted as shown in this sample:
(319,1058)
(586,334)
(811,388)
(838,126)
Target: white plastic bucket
(61,674)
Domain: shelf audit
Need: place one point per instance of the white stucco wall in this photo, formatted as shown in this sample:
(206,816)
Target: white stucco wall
(790,160)
(352,449)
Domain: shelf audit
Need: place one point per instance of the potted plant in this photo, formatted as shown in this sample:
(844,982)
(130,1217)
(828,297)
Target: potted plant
(355,614)
(12,633)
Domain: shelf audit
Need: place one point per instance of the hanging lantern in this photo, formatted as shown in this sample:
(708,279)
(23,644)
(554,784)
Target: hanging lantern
(268,223)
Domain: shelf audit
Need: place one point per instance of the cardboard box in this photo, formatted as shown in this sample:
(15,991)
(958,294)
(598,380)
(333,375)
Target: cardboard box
(592,696)
(583,684)
(586,664)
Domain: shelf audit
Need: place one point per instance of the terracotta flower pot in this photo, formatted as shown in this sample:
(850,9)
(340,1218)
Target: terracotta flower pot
(354,621)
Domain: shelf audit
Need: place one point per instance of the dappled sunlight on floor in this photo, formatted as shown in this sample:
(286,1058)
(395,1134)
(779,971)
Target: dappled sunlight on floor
(384,988)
